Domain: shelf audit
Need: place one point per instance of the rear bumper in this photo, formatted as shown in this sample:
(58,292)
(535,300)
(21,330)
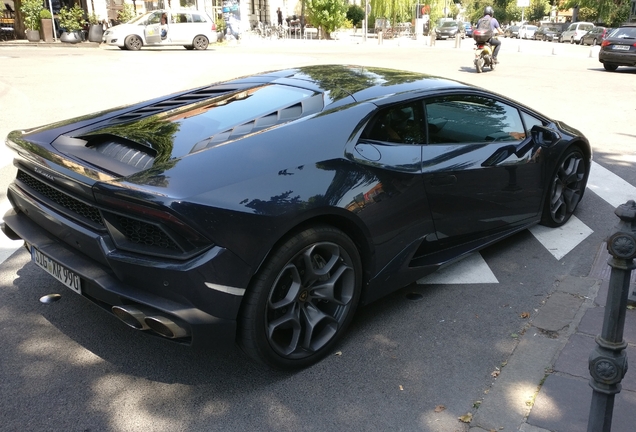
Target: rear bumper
(620,59)
(188,293)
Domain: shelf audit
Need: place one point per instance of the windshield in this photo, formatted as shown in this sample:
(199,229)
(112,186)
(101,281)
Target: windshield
(139,18)
(624,33)
(449,24)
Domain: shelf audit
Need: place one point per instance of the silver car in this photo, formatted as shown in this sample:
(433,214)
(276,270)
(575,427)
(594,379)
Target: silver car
(191,28)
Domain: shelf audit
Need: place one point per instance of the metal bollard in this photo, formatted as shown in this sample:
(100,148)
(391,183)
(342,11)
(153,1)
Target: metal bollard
(608,361)
(458,40)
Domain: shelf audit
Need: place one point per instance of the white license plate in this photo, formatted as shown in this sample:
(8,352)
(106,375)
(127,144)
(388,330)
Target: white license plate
(621,47)
(56,270)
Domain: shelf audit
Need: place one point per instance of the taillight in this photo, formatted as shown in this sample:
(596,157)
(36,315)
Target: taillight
(213,26)
(605,43)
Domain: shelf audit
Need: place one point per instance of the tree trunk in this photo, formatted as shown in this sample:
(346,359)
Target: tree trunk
(18,24)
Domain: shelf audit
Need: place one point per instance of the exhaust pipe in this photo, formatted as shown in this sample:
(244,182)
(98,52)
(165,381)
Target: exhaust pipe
(166,327)
(131,316)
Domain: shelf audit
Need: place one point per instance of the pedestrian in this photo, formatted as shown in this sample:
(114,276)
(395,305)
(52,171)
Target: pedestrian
(279,14)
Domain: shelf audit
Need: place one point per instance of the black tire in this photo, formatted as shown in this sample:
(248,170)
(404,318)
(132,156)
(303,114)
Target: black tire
(302,299)
(594,42)
(200,43)
(133,43)
(610,67)
(566,188)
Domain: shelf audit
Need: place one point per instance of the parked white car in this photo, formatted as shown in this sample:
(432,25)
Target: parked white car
(575,32)
(191,28)
(527,32)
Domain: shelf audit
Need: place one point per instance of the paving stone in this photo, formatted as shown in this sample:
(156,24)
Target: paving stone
(557,312)
(582,286)
(563,405)
(592,324)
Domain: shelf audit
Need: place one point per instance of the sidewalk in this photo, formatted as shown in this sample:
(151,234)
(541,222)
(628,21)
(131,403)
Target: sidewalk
(545,384)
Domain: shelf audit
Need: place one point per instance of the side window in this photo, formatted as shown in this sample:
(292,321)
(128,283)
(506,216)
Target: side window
(400,124)
(197,18)
(470,119)
(155,18)
(181,18)
(530,121)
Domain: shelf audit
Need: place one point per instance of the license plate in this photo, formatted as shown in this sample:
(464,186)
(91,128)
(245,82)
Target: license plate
(621,47)
(56,270)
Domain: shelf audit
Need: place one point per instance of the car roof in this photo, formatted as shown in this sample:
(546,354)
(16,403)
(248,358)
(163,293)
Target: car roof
(360,82)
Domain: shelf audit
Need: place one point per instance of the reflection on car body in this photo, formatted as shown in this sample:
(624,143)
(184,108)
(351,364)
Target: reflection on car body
(190,28)
(265,209)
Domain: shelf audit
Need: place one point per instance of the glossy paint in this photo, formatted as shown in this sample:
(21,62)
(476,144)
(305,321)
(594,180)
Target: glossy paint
(228,187)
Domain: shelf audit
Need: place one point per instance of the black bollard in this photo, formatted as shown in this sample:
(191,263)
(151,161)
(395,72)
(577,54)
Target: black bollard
(608,361)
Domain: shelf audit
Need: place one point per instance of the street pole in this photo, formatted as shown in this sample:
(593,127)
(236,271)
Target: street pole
(608,361)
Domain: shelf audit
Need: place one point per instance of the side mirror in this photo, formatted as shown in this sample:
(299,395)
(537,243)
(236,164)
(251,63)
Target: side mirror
(544,137)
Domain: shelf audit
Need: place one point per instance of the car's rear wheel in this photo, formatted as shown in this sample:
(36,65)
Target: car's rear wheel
(301,301)
(200,42)
(133,43)
(567,186)
(610,67)
(594,42)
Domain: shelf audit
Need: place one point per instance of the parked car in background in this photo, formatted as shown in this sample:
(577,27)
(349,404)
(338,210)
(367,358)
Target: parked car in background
(468,29)
(619,48)
(527,31)
(449,29)
(595,36)
(575,32)
(547,32)
(511,31)
(191,28)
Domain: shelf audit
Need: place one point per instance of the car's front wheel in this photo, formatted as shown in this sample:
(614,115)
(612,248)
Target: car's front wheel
(133,43)
(302,299)
(566,188)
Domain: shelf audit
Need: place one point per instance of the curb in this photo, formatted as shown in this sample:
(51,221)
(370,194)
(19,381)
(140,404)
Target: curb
(510,399)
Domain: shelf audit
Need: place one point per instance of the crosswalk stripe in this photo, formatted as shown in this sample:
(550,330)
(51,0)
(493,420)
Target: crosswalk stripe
(472,269)
(609,186)
(560,241)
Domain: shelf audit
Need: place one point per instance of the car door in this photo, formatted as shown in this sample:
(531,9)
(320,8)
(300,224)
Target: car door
(481,171)
(152,30)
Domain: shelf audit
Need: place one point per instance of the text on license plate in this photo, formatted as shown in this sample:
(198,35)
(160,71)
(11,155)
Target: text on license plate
(621,47)
(56,270)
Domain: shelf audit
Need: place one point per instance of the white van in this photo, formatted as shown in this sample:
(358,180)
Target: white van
(575,32)
(191,28)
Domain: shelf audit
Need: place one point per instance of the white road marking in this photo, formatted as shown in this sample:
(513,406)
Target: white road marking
(560,241)
(609,186)
(472,269)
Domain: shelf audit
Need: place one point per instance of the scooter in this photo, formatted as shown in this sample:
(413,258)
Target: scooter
(483,53)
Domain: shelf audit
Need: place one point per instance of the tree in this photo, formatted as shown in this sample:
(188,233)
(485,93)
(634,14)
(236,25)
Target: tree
(328,15)
(611,12)
(355,14)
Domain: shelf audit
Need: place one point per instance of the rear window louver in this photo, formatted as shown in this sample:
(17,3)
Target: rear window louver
(179,101)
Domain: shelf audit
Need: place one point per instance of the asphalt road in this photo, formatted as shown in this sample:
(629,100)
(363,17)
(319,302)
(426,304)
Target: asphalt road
(70,366)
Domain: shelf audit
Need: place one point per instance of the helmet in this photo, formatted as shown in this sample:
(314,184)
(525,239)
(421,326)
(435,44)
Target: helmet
(489,11)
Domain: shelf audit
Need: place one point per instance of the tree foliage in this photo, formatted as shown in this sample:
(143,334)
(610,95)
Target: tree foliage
(355,14)
(329,15)
(610,12)
(31,13)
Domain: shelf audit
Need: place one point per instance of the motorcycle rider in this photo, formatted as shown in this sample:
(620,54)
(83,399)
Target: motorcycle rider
(496,29)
